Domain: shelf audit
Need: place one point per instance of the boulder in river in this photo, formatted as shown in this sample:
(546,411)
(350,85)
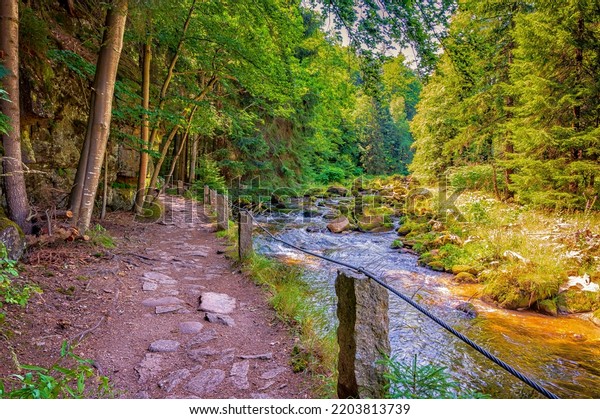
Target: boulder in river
(467,308)
(339,224)
(338,190)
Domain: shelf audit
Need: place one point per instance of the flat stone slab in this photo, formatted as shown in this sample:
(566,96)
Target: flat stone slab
(202,338)
(162,301)
(149,367)
(204,353)
(205,382)
(167,309)
(194,253)
(190,327)
(214,302)
(269,375)
(265,356)
(239,375)
(149,286)
(219,319)
(157,276)
(174,379)
(164,345)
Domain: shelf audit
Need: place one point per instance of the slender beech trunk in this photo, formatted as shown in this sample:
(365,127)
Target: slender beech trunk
(193,159)
(14,179)
(90,162)
(178,154)
(143,173)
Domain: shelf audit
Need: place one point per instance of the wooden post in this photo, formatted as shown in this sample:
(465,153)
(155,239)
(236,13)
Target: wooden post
(222,212)
(180,187)
(213,199)
(363,336)
(245,235)
(206,195)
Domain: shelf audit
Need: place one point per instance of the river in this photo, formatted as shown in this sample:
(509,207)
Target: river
(561,353)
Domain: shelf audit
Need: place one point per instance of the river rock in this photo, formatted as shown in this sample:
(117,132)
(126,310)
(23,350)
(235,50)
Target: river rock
(339,224)
(205,382)
(216,303)
(338,190)
(467,308)
(363,336)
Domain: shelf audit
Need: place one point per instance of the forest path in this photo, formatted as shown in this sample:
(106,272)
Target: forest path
(184,322)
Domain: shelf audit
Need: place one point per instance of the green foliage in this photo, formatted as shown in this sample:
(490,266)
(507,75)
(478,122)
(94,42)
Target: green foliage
(414,381)
(33,32)
(99,237)
(208,173)
(71,377)
(74,62)
(11,292)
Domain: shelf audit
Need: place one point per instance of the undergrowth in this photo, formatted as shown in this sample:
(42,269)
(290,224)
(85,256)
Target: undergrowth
(71,377)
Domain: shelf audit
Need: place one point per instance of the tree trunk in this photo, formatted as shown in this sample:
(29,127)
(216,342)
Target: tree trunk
(90,162)
(177,152)
(193,159)
(143,173)
(14,179)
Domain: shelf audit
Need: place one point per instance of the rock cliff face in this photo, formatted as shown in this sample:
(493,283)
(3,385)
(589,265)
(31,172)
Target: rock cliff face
(55,91)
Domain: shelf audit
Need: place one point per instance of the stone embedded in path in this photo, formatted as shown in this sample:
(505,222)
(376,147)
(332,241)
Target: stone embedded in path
(162,301)
(269,375)
(216,303)
(195,253)
(149,286)
(173,379)
(265,356)
(202,338)
(203,353)
(157,276)
(239,375)
(164,345)
(190,327)
(267,385)
(205,382)
(149,367)
(167,309)
(219,319)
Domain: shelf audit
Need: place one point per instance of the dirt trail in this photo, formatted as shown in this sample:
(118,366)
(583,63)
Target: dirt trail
(168,316)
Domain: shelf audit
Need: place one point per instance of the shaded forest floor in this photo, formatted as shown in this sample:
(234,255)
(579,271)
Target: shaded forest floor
(164,314)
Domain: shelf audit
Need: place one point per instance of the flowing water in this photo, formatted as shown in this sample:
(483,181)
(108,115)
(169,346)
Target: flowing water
(562,353)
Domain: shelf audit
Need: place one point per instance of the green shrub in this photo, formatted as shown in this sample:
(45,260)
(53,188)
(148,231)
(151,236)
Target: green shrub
(208,173)
(413,381)
(11,293)
(331,174)
(59,381)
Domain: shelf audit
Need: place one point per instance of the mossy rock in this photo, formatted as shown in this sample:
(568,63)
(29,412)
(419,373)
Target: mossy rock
(573,301)
(436,266)
(371,223)
(457,269)
(520,301)
(151,212)
(595,317)
(12,237)
(465,278)
(548,307)
(338,190)
(403,230)
(447,239)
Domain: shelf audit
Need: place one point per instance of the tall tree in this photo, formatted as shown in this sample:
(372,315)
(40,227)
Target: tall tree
(90,163)
(14,179)
(145,132)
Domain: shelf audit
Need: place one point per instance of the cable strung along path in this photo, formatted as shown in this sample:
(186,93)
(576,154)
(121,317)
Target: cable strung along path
(510,369)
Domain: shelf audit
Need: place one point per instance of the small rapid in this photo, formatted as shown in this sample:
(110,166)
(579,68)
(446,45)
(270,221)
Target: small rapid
(562,353)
